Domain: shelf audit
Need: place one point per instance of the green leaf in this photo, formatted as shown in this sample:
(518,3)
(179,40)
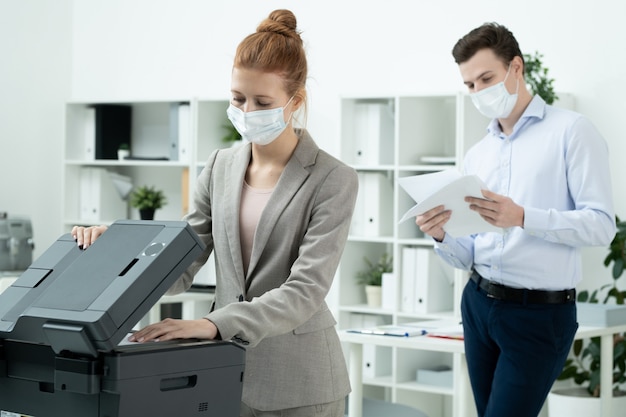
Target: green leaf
(618,267)
(581,378)
(568,372)
(578,347)
(618,351)
(594,347)
(594,381)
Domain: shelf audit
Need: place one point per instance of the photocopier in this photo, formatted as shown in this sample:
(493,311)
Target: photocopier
(64,324)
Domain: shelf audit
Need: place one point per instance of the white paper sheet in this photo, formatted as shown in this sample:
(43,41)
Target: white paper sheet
(125,340)
(448,188)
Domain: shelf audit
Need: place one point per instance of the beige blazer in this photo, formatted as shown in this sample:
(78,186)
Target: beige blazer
(293,353)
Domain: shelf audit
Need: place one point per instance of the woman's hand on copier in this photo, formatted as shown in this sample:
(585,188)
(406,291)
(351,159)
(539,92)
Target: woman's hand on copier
(169,329)
(85,236)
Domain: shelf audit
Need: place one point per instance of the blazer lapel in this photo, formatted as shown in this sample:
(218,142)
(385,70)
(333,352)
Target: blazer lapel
(232,195)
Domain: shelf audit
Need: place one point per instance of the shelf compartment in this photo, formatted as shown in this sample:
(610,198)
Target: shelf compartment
(426,128)
(367,131)
(417,387)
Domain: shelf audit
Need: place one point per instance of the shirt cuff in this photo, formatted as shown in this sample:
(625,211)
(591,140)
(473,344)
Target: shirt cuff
(536,221)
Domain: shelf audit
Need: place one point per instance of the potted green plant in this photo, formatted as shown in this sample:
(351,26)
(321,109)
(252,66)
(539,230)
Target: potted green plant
(372,277)
(147,199)
(123,151)
(583,367)
(537,77)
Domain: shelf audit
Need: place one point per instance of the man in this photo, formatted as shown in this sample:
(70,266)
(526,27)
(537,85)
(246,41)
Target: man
(550,190)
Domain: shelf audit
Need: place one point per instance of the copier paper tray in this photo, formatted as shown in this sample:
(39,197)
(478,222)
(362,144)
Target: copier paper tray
(62,321)
(159,379)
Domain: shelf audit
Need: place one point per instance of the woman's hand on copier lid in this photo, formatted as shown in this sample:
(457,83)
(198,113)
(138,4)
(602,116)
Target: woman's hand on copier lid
(85,236)
(169,329)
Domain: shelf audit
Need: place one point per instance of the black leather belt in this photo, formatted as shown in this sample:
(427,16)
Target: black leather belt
(522,295)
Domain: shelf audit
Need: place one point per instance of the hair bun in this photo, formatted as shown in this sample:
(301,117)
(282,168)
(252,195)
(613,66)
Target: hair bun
(280,21)
(276,47)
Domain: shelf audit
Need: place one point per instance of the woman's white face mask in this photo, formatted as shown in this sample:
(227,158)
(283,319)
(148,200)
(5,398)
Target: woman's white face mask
(261,126)
(495,102)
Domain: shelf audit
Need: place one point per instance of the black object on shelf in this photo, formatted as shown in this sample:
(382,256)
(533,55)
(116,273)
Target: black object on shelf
(146,158)
(202,288)
(113,127)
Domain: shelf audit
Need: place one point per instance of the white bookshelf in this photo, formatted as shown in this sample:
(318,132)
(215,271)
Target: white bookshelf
(406,135)
(150,138)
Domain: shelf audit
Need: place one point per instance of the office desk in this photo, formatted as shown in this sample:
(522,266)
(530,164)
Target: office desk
(462,401)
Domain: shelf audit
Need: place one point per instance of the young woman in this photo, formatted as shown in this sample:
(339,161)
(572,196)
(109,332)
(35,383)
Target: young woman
(276,214)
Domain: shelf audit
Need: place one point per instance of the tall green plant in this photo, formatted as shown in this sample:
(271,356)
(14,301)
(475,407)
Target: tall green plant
(537,77)
(584,367)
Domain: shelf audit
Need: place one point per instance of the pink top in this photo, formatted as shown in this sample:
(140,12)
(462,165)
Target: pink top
(253,201)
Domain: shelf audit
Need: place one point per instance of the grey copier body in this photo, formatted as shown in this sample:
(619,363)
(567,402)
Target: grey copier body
(62,321)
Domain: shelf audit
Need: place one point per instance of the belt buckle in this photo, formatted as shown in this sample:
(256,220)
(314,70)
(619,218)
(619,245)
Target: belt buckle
(491,291)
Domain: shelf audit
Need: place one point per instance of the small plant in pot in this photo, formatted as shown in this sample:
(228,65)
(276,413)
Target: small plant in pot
(372,277)
(583,367)
(123,151)
(147,199)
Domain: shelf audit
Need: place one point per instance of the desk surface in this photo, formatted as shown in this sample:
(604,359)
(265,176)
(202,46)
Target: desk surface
(450,345)
(585,332)
(437,344)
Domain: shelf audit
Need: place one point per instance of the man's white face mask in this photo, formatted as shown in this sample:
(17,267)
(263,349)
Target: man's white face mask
(496,102)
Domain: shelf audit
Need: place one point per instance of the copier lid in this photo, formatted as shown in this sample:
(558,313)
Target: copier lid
(83,301)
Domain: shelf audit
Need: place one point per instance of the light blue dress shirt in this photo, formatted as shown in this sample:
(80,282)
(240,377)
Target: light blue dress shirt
(555,165)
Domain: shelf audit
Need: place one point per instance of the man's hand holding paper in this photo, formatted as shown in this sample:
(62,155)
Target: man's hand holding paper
(449,189)
(497,209)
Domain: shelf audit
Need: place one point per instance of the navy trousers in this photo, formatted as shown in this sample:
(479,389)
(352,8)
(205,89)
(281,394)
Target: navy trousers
(514,351)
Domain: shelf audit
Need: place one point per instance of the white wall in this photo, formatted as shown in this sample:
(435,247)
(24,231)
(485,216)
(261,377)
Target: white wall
(35,73)
(162,49)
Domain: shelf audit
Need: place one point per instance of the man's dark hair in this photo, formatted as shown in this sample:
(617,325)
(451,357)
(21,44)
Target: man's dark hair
(490,35)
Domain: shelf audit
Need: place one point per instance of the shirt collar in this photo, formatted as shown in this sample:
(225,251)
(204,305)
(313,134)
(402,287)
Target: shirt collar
(536,109)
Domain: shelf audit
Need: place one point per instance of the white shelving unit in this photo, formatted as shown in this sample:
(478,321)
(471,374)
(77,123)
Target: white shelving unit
(386,138)
(151,141)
